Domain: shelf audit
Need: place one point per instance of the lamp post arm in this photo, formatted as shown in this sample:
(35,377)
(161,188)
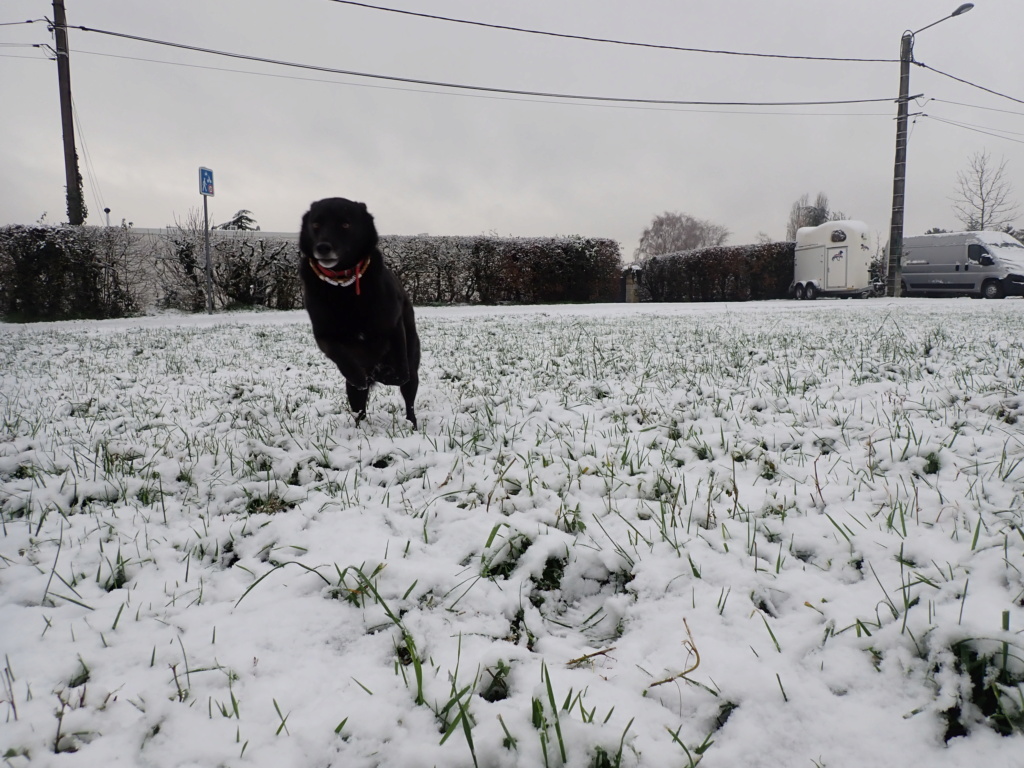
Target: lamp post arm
(962,9)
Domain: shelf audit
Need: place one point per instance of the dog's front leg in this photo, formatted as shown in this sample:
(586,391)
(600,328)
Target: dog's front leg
(357,399)
(354,373)
(357,384)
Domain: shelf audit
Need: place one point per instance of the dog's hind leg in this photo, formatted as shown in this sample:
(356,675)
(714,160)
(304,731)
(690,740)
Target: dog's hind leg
(357,398)
(409,394)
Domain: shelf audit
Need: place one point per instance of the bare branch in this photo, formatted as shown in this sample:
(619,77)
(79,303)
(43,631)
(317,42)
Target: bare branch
(984,196)
(804,213)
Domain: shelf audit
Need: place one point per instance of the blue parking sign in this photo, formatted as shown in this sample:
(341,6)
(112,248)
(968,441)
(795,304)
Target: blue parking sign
(206,182)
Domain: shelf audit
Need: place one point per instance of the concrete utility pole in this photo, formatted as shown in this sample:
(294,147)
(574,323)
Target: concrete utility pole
(76,206)
(894,273)
(899,174)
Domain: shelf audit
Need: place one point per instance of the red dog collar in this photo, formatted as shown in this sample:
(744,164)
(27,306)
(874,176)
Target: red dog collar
(341,277)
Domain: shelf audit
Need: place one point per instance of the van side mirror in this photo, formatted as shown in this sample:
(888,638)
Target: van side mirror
(986,261)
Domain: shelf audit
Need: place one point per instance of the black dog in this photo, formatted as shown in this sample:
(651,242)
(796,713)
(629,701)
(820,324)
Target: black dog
(362,318)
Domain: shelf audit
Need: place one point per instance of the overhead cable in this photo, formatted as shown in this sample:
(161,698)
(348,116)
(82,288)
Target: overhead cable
(967,127)
(980,127)
(230,70)
(968,82)
(978,106)
(485,89)
(585,38)
(94,182)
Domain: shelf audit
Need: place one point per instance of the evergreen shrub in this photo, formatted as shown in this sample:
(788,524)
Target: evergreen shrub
(718,273)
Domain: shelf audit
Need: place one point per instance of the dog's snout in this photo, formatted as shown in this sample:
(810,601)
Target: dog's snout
(323,249)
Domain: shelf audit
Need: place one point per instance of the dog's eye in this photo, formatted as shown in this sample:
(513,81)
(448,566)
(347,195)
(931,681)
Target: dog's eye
(344,225)
(315,226)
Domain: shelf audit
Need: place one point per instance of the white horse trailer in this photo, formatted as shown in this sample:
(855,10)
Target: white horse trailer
(833,259)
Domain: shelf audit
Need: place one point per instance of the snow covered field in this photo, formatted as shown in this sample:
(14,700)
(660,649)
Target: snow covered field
(784,534)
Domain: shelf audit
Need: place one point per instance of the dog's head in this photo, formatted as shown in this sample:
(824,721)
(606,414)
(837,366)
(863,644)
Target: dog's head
(338,233)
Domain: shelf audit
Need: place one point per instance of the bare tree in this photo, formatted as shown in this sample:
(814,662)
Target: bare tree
(804,213)
(123,269)
(675,232)
(181,269)
(983,198)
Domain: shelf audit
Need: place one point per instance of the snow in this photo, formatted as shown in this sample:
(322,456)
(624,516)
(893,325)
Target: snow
(813,510)
(821,235)
(1001,239)
(1007,248)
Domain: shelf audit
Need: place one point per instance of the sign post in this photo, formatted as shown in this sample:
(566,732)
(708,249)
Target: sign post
(206,190)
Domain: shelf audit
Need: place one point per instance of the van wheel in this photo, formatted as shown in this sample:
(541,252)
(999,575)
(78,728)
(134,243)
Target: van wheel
(798,292)
(992,290)
(903,288)
(810,292)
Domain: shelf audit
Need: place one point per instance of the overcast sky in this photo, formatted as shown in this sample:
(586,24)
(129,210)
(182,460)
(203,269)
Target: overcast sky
(444,161)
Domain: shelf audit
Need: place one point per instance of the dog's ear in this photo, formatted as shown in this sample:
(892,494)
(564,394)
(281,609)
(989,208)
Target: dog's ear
(362,207)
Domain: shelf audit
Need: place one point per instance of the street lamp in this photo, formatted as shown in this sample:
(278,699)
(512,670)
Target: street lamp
(899,175)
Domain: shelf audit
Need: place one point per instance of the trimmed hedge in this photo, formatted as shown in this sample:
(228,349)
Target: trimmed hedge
(258,269)
(718,273)
(513,270)
(64,272)
(249,270)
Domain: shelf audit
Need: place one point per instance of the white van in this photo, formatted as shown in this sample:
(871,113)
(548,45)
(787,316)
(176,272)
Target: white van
(833,259)
(989,264)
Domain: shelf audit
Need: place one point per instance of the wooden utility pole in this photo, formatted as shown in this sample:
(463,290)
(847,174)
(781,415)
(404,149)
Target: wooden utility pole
(73,179)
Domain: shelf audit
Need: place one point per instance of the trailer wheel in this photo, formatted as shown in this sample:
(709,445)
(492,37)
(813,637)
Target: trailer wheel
(798,291)
(992,290)
(810,292)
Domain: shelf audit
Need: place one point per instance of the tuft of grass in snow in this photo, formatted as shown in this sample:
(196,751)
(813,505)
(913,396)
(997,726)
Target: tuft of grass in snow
(809,486)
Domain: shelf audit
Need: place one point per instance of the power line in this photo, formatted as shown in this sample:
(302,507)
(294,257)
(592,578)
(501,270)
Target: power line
(738,111)
(968,127)
(978,106)
(968,82)
(585,38)
(481,88)
(94,181)
(975,125)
